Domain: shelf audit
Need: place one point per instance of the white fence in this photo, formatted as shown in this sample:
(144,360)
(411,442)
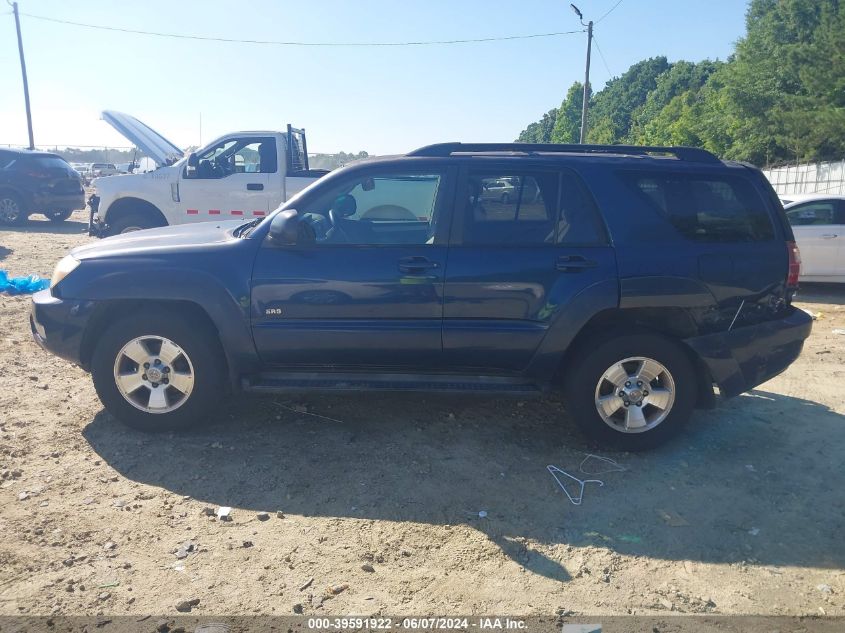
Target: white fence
(811,178)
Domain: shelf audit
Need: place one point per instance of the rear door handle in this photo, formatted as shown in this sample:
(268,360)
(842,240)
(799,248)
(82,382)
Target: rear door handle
(416,264)
(255,186)
(829,236)
(574,263)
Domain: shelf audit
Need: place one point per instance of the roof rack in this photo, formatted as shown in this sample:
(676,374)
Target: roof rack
(689,154)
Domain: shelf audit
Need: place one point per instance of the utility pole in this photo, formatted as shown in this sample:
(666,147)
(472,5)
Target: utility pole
(23,72)
(585,105)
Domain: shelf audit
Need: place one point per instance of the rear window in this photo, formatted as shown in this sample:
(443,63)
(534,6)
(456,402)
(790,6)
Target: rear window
(706,208)
(47,162)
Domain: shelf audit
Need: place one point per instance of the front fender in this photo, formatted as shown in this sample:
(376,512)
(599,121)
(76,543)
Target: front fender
(223,297)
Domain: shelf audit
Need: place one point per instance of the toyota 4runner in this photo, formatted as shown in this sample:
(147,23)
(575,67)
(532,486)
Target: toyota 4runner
(634,279)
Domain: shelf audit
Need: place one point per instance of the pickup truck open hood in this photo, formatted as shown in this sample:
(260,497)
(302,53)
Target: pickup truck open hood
(166,239)
(151,142)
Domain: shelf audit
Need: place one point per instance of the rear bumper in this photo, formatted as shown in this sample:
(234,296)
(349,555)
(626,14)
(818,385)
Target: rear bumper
(745,357)
(57,202)
(58,325)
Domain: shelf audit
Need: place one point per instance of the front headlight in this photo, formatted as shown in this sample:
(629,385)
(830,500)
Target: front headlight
(66,266)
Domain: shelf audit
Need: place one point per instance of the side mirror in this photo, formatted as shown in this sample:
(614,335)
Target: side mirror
(368,185)
(191,166)
(284,228)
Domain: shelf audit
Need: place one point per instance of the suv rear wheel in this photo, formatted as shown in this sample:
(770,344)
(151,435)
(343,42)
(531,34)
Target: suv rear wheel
(11,209)
(155,372)
(633,391)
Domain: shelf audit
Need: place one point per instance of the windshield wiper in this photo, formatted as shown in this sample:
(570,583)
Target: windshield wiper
(245,229)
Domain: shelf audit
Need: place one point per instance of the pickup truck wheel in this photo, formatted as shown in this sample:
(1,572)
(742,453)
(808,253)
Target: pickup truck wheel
(631,391)
(128,222)
(154,372)
(58,216)
(12,210)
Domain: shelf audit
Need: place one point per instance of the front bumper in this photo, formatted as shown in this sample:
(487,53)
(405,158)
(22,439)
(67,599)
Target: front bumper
(96,228)
(58,325)
(745,357)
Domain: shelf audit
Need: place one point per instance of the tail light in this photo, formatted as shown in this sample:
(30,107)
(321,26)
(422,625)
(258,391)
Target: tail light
(794,264)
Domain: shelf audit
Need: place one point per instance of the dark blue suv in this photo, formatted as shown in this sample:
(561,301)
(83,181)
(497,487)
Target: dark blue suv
(634,279)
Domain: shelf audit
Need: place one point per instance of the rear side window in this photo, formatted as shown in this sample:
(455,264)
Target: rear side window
(706,208)
(529,208)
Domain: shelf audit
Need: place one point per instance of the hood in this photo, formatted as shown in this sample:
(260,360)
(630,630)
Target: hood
(157,241)
(124,183)
(151,142)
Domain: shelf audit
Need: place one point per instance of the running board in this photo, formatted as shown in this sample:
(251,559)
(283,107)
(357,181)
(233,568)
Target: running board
(279,382)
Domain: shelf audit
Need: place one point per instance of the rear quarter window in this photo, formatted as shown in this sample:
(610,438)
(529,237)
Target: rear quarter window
(47,162)
(705,207)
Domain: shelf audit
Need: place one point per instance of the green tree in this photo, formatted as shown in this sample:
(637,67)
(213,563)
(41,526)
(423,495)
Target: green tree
(612,108)
(540,131)
(568,125)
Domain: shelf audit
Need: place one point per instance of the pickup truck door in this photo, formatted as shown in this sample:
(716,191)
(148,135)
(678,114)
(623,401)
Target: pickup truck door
(368,290)
(235,178)
(527,241)
(819,228)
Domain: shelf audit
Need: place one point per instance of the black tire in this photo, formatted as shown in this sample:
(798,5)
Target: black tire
(58,216)
(592,358)
(12,209)
(132,221)
(199,344)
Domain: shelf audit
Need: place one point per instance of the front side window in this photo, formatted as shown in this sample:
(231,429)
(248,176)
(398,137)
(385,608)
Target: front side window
(377,210)
(813,213)
(706,208)
(238,156)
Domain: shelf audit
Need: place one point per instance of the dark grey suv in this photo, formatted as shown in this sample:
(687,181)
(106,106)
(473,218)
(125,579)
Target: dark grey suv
(37,182)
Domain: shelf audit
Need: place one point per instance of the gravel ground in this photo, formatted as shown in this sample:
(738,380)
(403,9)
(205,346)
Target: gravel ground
(411,504)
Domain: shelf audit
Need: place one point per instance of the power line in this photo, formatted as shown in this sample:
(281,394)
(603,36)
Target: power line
(281,43)
(604,61)
(609,12)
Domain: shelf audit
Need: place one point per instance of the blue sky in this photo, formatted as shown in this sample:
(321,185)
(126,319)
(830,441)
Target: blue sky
(380,99)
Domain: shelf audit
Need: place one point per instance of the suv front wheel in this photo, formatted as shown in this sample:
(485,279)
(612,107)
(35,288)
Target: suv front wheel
(633,391)
(155,372)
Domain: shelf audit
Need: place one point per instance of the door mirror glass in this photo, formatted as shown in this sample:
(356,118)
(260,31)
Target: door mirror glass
(191,165)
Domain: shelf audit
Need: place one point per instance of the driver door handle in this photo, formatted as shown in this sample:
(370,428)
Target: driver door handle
(255,186)
(574,263)
(416,264)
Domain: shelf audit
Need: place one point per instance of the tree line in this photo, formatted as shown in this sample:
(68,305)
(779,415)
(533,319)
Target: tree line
(779,97)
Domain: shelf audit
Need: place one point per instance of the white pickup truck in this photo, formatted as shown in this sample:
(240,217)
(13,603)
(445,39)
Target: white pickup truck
(239,175)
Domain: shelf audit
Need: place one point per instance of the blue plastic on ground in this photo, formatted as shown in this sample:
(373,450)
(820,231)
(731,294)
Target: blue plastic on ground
(22,285)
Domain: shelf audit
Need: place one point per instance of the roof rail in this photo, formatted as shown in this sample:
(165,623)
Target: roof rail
(690,154)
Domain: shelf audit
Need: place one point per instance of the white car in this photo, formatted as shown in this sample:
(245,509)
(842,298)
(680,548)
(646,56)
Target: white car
(818,222)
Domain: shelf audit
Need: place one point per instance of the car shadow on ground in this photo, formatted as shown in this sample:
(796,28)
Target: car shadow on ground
(37,224)
(821,293)
(4,252)
(757,480)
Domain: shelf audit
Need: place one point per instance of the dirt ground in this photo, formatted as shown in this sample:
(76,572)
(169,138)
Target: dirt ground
(410,504)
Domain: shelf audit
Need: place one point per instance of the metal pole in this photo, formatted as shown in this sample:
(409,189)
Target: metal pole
(586,101)
(23,72)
